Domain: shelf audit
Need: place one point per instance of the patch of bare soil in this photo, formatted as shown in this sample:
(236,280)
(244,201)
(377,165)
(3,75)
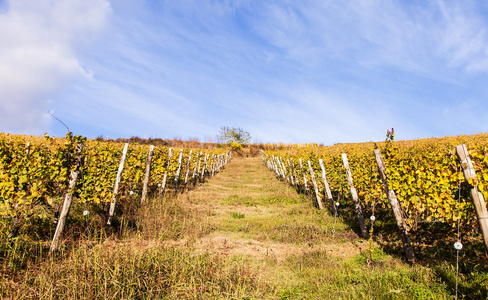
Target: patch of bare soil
(228,245)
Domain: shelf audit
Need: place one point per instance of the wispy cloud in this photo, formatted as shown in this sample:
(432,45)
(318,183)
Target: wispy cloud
(40,42)
(463,39)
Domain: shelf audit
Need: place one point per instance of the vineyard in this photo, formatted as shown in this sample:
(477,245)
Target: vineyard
(369,220)
(426,176)
(36,174)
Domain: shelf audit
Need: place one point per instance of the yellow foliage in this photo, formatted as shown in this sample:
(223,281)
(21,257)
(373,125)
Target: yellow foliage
(425,173)
(35,170)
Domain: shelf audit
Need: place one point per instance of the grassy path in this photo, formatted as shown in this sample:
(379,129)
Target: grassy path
(251,213)
(246,216)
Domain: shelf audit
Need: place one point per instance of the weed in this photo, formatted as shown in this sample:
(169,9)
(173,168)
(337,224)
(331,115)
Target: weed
(237,215)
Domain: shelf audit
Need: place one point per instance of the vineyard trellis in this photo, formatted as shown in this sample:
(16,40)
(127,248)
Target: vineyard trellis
(37,172)
(422,175)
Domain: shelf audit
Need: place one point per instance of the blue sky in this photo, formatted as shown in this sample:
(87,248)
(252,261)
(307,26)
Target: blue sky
(286,71)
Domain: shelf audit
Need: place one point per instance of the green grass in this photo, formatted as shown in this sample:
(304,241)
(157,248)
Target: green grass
(322,277)
(237,215)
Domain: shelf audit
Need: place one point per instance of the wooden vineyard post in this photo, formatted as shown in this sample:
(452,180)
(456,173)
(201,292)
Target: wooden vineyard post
(279,170)
(197,176)
(206,169)
(116,185)
(205,164)
(476,195)
(327,189)
(212,165)
(312,175)
(165,177)
(68,198)
(295,173)
(276,167)
(287,173)
(303,173)
(283,168)
(291,174)
(188,167)
(177,177)
(268,163)
(397,210)
(195,168)
(147,174)
(355,198)
(199,163)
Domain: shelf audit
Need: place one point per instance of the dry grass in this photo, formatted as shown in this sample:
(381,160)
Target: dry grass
(252,213)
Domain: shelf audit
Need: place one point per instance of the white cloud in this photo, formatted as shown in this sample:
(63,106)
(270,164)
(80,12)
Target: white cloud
(40,43)
(414,36)
(464,36)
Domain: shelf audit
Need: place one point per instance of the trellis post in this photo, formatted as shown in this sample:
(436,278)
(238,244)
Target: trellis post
(165,177)
(177,177)
(116,185)
(327,189)
(68,198)
(355,198)
(476,195)
(317,196)
(395,206)
(147,174)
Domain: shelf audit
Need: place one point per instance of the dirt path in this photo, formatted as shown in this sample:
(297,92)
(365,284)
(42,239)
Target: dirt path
(252,213)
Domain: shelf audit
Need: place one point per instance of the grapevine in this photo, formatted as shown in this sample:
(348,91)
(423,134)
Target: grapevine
(423,173)
(34,172)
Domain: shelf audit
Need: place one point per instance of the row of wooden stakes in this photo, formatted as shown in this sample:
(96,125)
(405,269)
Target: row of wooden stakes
(277,165)
(206,166)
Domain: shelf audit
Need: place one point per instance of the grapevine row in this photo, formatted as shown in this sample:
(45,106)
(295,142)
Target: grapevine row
(34,172)
(425,174)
